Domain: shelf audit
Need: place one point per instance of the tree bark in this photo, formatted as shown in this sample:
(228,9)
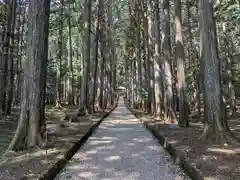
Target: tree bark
(103,44)
(86,55)
(96,71)
(28,133)
(4,56)
(70,79)
(214,127)
(10,76)
(59,57)
(181,85)
(157,62)
(168,84)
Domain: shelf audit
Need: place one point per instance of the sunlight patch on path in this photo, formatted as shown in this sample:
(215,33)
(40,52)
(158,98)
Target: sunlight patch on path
(122,149)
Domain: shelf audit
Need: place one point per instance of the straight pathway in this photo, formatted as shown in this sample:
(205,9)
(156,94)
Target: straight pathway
(122,149)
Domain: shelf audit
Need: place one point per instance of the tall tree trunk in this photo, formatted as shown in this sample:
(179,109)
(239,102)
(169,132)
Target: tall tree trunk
(229,49)
(21,49)
(157,62)
(110,52)
(214,127)
(96,64)
(19,54)
(86,55)
(28,132)
(193,58)
(91,73)
(59,57)
(10,77)
(168,84)
(114,72)
(181,85)
(149,48)
(103,49)
(4,56)
(138,51)
(70,79)
(145,54)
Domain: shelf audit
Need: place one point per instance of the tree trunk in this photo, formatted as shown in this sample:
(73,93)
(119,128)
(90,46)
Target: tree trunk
(4,56)
(229,49)
(213,125)
(19,55)
(110,53)
(157,62)
(138,51)
(96,64)
(20,39)
(59,57)
(103,44)
(10,77)
(181,85)
(86,56)
(150,29)
(70,79)
(28,133)
(193,58)
(168,84)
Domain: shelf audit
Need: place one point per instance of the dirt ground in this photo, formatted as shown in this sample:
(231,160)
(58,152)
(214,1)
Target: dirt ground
(213,161)
(29,165)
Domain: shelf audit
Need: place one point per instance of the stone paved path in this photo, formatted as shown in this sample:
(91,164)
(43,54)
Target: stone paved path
(122,149)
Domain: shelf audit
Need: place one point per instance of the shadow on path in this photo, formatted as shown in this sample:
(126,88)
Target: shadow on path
(122,148)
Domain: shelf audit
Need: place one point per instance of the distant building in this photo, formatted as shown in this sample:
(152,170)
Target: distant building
(120,90)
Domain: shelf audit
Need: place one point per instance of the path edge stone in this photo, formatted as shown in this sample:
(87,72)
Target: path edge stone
(178,155)
(54,170)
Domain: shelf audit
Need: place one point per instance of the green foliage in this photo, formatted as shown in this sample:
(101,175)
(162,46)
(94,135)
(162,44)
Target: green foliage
(228,11)
(142,92)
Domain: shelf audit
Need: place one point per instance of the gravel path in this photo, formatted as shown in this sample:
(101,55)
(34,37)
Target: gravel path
(122,149)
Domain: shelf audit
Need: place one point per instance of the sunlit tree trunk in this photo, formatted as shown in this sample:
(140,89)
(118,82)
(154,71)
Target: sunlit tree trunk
(229,50)
(70,79)
(157,61)
(181,85)
(59,57)
(150,48)
(168,92)
(138,51)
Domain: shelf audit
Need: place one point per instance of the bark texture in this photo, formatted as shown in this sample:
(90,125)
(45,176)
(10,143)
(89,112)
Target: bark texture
(28,133)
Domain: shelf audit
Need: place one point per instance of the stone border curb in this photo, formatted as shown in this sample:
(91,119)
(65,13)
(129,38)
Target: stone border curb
(60,164)
(177,154)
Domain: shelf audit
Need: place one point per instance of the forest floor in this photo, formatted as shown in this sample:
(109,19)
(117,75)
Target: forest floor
(29,165)
(213,161)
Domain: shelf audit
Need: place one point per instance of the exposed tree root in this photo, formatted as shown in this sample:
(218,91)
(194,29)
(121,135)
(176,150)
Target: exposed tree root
(223,136)
(73,117)
(21,137)
(58,105)
(97,108)
(157,117)
(82,111)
